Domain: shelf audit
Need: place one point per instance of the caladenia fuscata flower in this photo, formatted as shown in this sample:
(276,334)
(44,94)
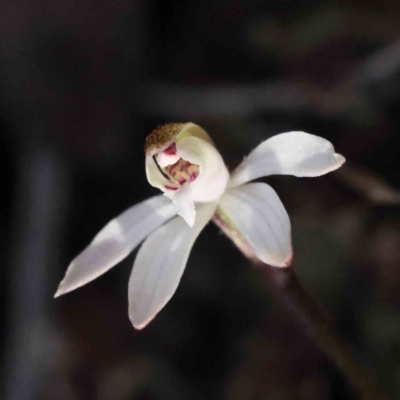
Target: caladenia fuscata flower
(182,161)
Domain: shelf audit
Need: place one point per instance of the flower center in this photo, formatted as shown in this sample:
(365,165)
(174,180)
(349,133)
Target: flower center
(177,170)
(182,171)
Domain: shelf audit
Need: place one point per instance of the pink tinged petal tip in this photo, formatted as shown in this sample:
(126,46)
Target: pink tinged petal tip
(289,260)
(159,266)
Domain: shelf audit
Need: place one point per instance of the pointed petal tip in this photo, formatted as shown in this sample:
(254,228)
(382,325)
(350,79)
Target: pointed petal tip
(340,159)
(289,260)
(286,264)
(139,327)
(189,218)
(60,290)
(278,263)
(66,285)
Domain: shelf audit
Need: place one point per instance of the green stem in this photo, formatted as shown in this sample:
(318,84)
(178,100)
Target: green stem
(310,315)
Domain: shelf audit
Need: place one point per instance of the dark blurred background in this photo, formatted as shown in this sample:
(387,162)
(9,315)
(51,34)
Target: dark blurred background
(81,85)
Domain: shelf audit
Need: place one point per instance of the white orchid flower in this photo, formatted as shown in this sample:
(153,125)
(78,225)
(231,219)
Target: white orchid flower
(183,162)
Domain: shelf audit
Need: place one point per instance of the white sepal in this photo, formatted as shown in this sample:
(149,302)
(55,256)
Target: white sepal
(159,265)
(260,216)
(292,153)
(116,240)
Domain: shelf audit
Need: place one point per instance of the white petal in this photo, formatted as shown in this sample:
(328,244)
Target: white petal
(292,153)
(213,178)
(116,240)
(260,216)
(160,263)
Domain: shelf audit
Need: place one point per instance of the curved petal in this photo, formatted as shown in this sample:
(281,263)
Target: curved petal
(260,216)
(213,177)
(115,241)
(292,153)
(193,130)
(159,265)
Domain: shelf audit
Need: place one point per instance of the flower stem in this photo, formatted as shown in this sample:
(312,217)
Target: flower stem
(310,315)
